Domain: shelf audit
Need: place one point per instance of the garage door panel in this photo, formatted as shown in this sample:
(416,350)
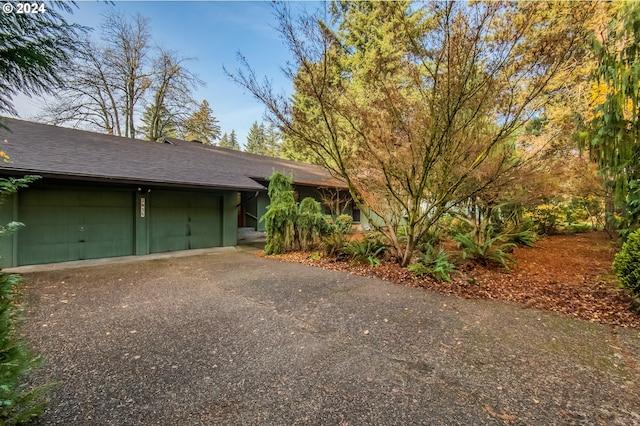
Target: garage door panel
(75,224)
(48,253)
(183,221)
(169,244)
(202,233)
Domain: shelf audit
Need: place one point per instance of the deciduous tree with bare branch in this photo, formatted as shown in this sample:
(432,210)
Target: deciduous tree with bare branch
(411,104)
(111,83)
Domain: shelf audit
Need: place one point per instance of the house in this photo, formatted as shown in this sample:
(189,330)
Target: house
(105,196)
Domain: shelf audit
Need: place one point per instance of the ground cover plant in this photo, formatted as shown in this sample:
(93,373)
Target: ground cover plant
(568,273)
(433,263)
(490,248)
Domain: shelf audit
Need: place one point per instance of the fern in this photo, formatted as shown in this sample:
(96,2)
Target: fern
(525,236)
(365,251)
(490,248)
(434,264)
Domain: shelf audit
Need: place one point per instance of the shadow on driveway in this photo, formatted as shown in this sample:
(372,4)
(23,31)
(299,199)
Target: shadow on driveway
(230,338)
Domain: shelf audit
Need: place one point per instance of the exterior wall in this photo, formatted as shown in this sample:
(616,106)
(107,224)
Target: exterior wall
(250,217)
(317,194)
(8,213)
(366,224)
(262,201)
(229,219)
(254,206)
(303,192)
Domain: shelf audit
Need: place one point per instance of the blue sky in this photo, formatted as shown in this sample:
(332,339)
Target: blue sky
(213,32)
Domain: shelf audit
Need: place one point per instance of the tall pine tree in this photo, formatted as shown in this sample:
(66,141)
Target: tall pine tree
(229,141)
(255,139)
(233,140)
(224,141)
(202,126)
(263,140)
(158,124)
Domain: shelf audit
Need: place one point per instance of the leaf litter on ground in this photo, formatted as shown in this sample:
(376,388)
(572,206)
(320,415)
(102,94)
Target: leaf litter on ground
(568,274)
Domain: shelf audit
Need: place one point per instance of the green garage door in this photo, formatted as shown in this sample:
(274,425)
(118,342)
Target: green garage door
(183,221)
(74,224)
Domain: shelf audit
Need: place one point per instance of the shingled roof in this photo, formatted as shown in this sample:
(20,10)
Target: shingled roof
(59,152)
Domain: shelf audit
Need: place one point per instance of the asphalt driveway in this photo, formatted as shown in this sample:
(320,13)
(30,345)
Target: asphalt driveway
(231,338)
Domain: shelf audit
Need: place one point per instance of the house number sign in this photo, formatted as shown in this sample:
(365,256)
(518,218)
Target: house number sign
(142,206)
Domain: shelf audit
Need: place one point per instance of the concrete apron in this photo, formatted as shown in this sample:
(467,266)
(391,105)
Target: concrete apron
(116,260)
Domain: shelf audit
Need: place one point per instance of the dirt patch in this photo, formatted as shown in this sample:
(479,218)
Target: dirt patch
(570,274)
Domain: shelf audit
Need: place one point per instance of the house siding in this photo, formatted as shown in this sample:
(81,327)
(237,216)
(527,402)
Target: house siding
(262,201)
(8,213)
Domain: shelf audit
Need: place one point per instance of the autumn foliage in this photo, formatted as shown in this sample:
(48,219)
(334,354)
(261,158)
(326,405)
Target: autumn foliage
(422,107)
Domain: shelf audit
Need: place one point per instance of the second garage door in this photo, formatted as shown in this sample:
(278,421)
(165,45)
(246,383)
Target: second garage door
(184,220)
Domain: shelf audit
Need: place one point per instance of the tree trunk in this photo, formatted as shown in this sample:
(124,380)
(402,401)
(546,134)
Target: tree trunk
(609,210)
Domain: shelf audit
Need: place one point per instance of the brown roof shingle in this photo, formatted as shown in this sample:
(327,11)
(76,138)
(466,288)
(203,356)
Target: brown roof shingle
(61,152)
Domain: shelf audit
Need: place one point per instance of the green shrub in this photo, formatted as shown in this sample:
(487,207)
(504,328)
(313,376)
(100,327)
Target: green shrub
(343,224)
(627,264)
(525,236)
(310,223)
(17,403)
(547,218)
(434,264)
(490,248)
(365,251)
(281,215)
(334,241)
(333,244)
(578,228)
(430,239)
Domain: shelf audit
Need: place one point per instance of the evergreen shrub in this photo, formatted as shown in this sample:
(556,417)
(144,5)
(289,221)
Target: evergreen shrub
(491,248)
(365,251)
(311,224)
(18,403)
(434,263)
(627,264)
(281,215)
(334,242)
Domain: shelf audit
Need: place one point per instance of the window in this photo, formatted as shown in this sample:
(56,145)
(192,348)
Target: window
(355,213)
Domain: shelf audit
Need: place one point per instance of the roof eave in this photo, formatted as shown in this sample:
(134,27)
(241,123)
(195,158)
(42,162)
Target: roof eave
(128,181)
